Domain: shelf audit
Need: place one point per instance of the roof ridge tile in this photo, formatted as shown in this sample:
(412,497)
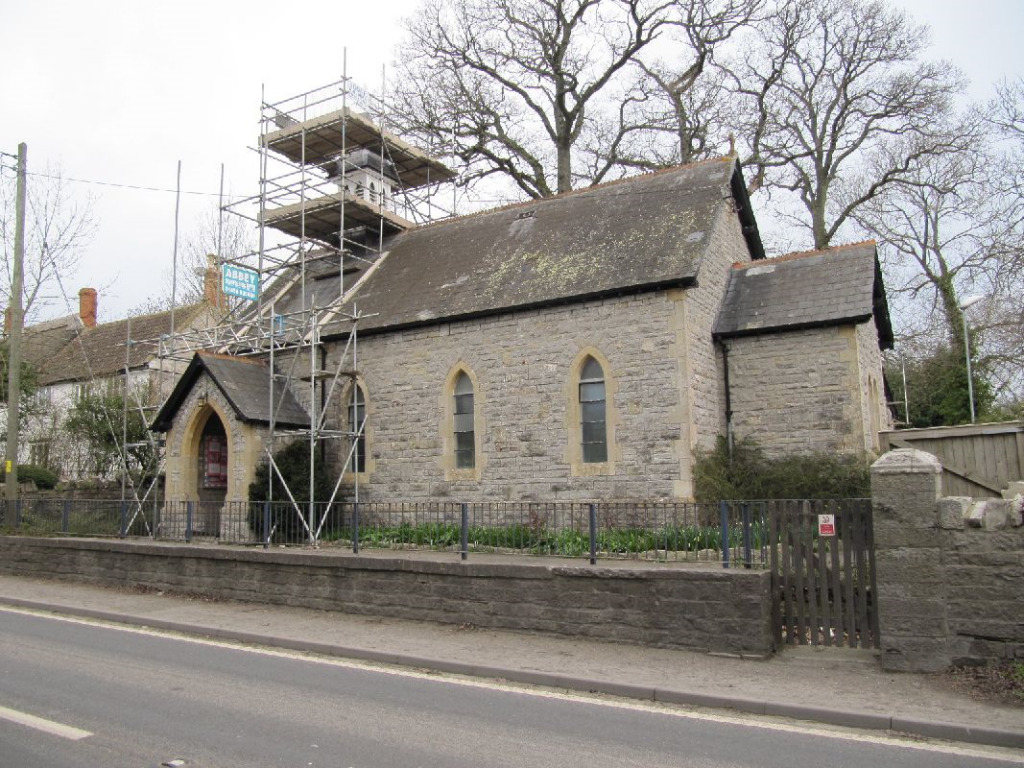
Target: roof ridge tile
(580,191)
(795,255)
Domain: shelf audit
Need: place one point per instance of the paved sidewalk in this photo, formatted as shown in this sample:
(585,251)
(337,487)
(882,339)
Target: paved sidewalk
(829,685)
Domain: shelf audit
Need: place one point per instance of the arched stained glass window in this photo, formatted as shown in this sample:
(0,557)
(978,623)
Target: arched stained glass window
(594,433)
(465,438)
(214,454)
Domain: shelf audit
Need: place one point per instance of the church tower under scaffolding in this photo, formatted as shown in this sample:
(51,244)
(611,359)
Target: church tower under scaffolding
(334,186)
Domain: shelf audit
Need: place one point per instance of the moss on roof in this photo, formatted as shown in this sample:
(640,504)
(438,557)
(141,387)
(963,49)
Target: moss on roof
(633,234)
(100,351)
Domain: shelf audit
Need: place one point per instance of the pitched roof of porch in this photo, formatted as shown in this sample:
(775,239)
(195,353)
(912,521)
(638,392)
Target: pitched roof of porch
(246,385)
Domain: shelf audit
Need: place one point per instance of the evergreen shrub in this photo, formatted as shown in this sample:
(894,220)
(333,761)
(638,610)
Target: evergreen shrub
(293,461)
(41,476)
(749,474)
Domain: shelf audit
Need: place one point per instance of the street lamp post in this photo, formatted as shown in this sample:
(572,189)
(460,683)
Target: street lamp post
(970,301)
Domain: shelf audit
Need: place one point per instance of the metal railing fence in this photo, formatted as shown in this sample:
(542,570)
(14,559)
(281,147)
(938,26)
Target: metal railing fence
(731,533)
(76,517)
(639,530)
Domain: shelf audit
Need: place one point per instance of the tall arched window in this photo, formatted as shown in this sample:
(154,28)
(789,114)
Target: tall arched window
(213,453)
(594,432)
(465,437)
(357,425)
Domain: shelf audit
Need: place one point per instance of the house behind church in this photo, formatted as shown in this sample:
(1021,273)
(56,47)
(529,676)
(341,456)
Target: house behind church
(75,357)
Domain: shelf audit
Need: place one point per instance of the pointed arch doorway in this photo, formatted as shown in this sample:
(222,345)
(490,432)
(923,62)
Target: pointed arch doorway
(209,469)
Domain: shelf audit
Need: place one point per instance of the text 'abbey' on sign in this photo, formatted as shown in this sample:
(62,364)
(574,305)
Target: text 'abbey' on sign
(241,282)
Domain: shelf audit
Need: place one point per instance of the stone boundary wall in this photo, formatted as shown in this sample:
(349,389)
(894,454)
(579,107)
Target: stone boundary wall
(950,570)
(703,609)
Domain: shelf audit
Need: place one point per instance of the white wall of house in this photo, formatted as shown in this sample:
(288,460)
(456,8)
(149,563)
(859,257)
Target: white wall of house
(45,439)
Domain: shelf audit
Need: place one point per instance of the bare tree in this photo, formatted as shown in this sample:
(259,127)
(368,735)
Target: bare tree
(831,87)
(1005,114)
(58,226)
(1007,109)
(930,225)
(949,230)
(213,233)
(675,112)
(1005,317)
(522,88)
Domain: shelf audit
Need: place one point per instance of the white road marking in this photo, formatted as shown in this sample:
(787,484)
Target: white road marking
(680,711)
(46,726)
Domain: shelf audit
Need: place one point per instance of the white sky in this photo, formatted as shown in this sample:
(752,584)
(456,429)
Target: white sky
(120,90)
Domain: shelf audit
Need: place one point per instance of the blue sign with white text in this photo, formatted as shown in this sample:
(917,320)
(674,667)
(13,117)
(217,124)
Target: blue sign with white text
(241,282)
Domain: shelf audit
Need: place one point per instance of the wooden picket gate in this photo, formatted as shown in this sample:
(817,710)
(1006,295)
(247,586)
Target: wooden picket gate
(823,586)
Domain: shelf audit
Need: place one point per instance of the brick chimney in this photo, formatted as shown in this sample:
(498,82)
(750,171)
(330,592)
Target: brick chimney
(87,307)
(212,293)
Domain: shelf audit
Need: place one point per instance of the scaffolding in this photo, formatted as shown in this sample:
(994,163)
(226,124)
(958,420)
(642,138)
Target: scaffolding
(334,185)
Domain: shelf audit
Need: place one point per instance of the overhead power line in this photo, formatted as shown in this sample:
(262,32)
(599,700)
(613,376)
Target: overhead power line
(140,187)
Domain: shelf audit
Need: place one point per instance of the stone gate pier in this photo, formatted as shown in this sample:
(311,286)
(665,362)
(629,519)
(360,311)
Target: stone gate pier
(950,570)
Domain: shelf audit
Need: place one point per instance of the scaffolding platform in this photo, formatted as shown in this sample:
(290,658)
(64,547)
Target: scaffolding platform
(320,218)
(320,141)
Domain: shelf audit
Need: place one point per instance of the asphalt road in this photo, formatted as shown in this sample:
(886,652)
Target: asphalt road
(138,699)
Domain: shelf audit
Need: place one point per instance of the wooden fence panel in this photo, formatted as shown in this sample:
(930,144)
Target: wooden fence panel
(775,550)
(824,601)
(810,582)
(860,564)
(785,523)
(869,527)
(978,460)
(837,579)
(800,589)
(847,595)
(823,586)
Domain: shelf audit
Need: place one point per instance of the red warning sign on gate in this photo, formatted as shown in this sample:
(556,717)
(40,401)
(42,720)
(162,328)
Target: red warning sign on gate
(826,525)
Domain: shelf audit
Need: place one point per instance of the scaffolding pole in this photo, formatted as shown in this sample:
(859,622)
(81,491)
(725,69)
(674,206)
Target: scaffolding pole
(305,145)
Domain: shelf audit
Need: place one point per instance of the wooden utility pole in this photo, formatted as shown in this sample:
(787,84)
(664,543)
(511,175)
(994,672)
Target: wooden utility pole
(14,338)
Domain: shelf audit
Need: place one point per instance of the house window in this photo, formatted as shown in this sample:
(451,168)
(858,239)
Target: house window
(39,453)
(357,424)
(42,398)
(465,437)
(215,455)
(594,433)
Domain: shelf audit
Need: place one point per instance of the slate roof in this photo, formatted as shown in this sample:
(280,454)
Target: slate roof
(640,233)
(42,341)
(806,290)
(244,382)
(100,351)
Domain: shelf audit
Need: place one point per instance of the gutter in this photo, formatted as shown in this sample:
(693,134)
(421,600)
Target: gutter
(728,396)
(689,281)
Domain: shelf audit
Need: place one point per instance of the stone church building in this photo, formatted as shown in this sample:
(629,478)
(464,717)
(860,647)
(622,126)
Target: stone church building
(581,347)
